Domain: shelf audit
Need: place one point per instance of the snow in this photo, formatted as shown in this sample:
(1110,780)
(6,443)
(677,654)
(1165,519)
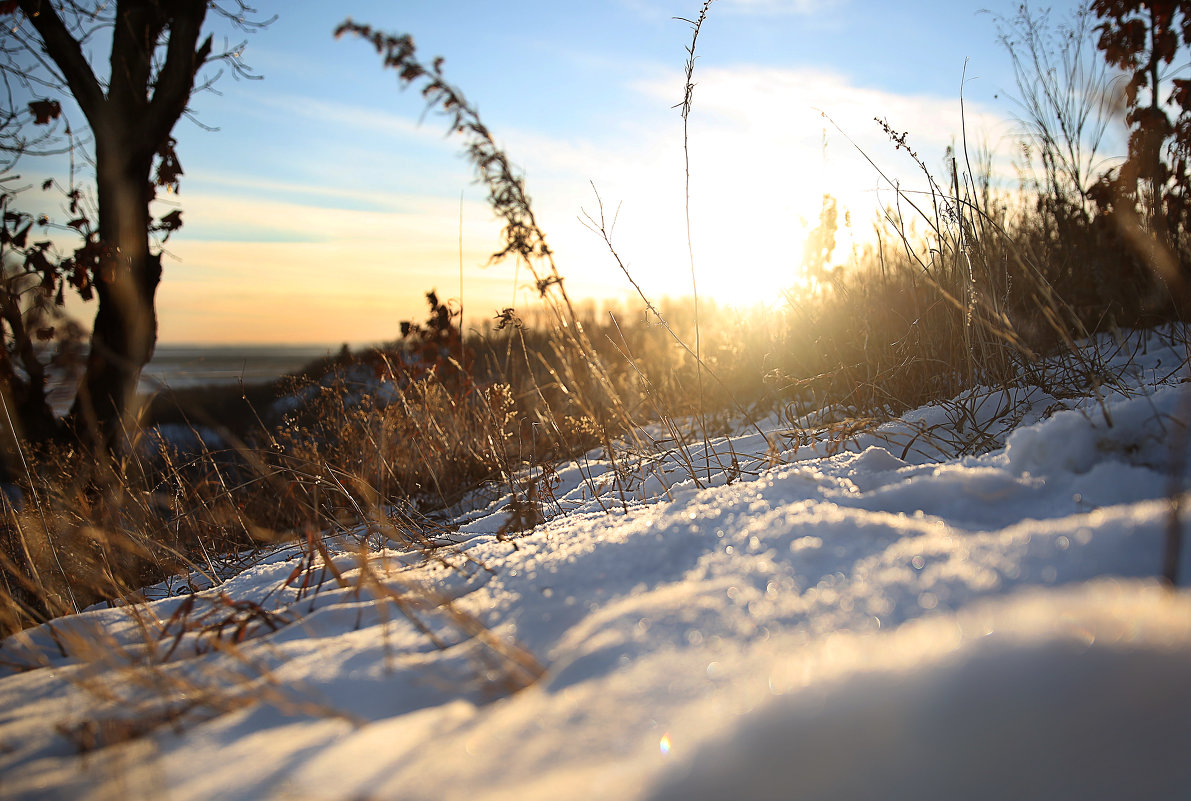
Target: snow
(919,611)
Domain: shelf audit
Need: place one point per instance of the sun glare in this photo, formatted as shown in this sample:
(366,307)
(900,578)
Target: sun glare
(744,274)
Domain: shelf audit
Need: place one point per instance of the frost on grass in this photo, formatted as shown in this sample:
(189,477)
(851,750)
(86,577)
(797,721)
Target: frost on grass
(916,612)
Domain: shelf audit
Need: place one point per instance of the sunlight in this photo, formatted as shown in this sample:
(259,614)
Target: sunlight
(757,252)
(762,158)
(748,236)
(743,274)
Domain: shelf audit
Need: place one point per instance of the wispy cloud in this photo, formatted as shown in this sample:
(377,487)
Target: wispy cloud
(334,115)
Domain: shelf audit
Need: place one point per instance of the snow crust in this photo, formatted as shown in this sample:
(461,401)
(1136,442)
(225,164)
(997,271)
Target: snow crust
(961,604)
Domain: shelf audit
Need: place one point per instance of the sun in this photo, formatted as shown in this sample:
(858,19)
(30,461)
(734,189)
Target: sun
(745,274)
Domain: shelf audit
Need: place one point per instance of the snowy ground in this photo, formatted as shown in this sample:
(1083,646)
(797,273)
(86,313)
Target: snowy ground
(875,618)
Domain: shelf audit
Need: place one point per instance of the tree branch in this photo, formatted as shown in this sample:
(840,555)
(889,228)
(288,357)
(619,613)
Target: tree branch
(66,53)
(182,62)
(138,26)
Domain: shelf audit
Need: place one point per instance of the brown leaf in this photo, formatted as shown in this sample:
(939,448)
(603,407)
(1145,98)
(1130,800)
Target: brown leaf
(170,169)
(45,110)
(36,262)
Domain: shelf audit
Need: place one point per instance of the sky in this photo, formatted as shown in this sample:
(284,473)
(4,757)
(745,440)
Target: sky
(325,203)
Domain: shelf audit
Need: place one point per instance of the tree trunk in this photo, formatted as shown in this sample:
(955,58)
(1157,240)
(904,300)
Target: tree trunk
(125,329)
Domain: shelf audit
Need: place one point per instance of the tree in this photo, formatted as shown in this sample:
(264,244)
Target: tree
(153,69)
(1145,39)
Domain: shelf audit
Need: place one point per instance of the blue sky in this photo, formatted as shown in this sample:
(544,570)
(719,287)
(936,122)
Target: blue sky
(321,210)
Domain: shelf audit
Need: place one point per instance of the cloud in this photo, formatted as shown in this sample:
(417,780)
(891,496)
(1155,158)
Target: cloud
(335,116)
